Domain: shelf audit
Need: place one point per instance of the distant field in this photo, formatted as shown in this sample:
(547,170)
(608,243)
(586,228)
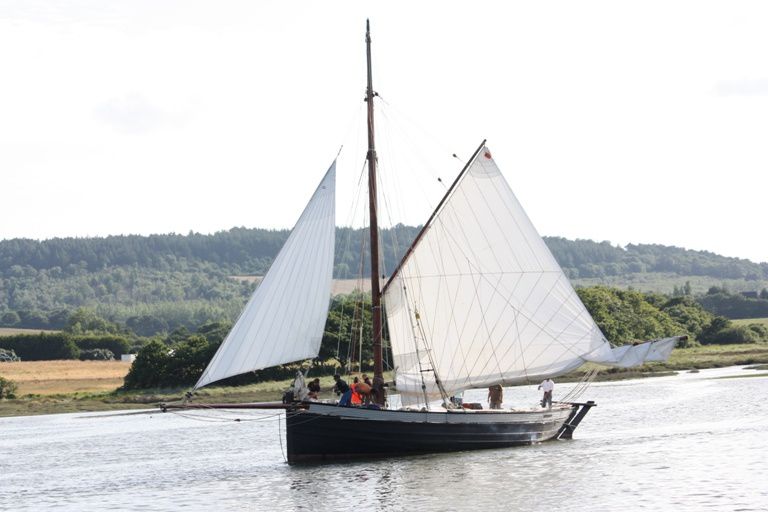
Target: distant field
(645,282)
(747,321)
(12,331)
(339,287)
(663,282)
(54,377)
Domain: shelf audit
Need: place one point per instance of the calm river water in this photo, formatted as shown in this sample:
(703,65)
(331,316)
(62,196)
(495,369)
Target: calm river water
(688,442)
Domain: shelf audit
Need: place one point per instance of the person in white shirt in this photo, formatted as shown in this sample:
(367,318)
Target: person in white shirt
(547,386)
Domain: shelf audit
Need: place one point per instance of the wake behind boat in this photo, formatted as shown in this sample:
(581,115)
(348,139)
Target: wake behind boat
(478,300)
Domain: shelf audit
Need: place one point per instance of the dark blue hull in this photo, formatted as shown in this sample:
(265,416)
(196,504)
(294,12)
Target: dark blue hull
(328,432)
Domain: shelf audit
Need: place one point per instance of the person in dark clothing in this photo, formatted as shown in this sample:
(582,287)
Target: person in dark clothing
(342,388)
(495,396)
(314,388)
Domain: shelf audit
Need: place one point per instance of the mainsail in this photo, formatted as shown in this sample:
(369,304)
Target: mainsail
(284,319)
(480,299)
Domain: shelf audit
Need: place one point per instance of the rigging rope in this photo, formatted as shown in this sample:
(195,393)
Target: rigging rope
(222,418)
(280,438)
(580,386)
(348,245)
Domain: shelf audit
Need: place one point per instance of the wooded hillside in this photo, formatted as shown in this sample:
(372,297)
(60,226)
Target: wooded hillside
(160,282)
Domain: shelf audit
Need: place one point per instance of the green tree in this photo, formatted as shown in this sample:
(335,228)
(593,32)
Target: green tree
(10,318)
(150,368)
(688,313)
(41,346)
(189,359)
(625,316)
(710,334)
(146,325)
(349,321)
(214,332)
(182,364)
(84,321)
(7,388)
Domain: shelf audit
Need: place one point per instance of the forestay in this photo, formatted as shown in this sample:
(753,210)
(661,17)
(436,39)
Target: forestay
(284,319)
(481,300)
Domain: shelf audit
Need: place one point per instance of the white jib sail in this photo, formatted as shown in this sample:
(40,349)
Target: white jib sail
(284,319)
(481,300)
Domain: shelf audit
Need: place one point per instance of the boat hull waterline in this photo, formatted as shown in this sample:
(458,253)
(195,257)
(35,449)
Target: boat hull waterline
(329,432)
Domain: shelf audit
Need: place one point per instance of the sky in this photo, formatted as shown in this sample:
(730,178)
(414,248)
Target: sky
(631,122)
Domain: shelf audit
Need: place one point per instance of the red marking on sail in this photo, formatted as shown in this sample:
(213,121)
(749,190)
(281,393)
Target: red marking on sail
(487,154)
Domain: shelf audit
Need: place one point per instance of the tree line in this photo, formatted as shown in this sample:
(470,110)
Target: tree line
(159,283)
(251,251)
(84,335)
(236,251)
(588,259)
(720,301)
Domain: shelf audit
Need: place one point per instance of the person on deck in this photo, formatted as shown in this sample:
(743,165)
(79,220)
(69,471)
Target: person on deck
(342,388)
(314,389)
(547,386)
(364,389)
(495,396)
(357,398)
(370,397)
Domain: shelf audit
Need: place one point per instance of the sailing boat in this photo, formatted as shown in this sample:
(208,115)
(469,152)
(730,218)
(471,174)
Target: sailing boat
(477,300)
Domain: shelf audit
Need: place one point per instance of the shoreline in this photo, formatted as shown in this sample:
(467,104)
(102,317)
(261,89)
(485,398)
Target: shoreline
(682,360)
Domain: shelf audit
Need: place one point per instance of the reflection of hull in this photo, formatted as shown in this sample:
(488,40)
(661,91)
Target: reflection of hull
(326,432)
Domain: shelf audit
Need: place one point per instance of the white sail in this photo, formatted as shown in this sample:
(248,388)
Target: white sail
(284,319)
(481,300)
(627,356)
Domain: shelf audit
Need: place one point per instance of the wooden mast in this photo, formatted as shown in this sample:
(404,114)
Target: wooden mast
(378,365)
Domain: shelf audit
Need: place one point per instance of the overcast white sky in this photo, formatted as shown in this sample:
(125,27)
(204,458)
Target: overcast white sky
(643,122)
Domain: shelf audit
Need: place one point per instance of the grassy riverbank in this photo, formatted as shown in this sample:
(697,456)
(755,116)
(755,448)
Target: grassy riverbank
(696,358)
(59,398)
(32,404)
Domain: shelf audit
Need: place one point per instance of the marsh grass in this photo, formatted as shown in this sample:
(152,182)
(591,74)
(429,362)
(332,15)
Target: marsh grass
(12,331)
(747,321)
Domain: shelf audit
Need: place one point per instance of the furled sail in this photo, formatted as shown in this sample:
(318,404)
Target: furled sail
(480,299)
(627,356)
(284,319)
